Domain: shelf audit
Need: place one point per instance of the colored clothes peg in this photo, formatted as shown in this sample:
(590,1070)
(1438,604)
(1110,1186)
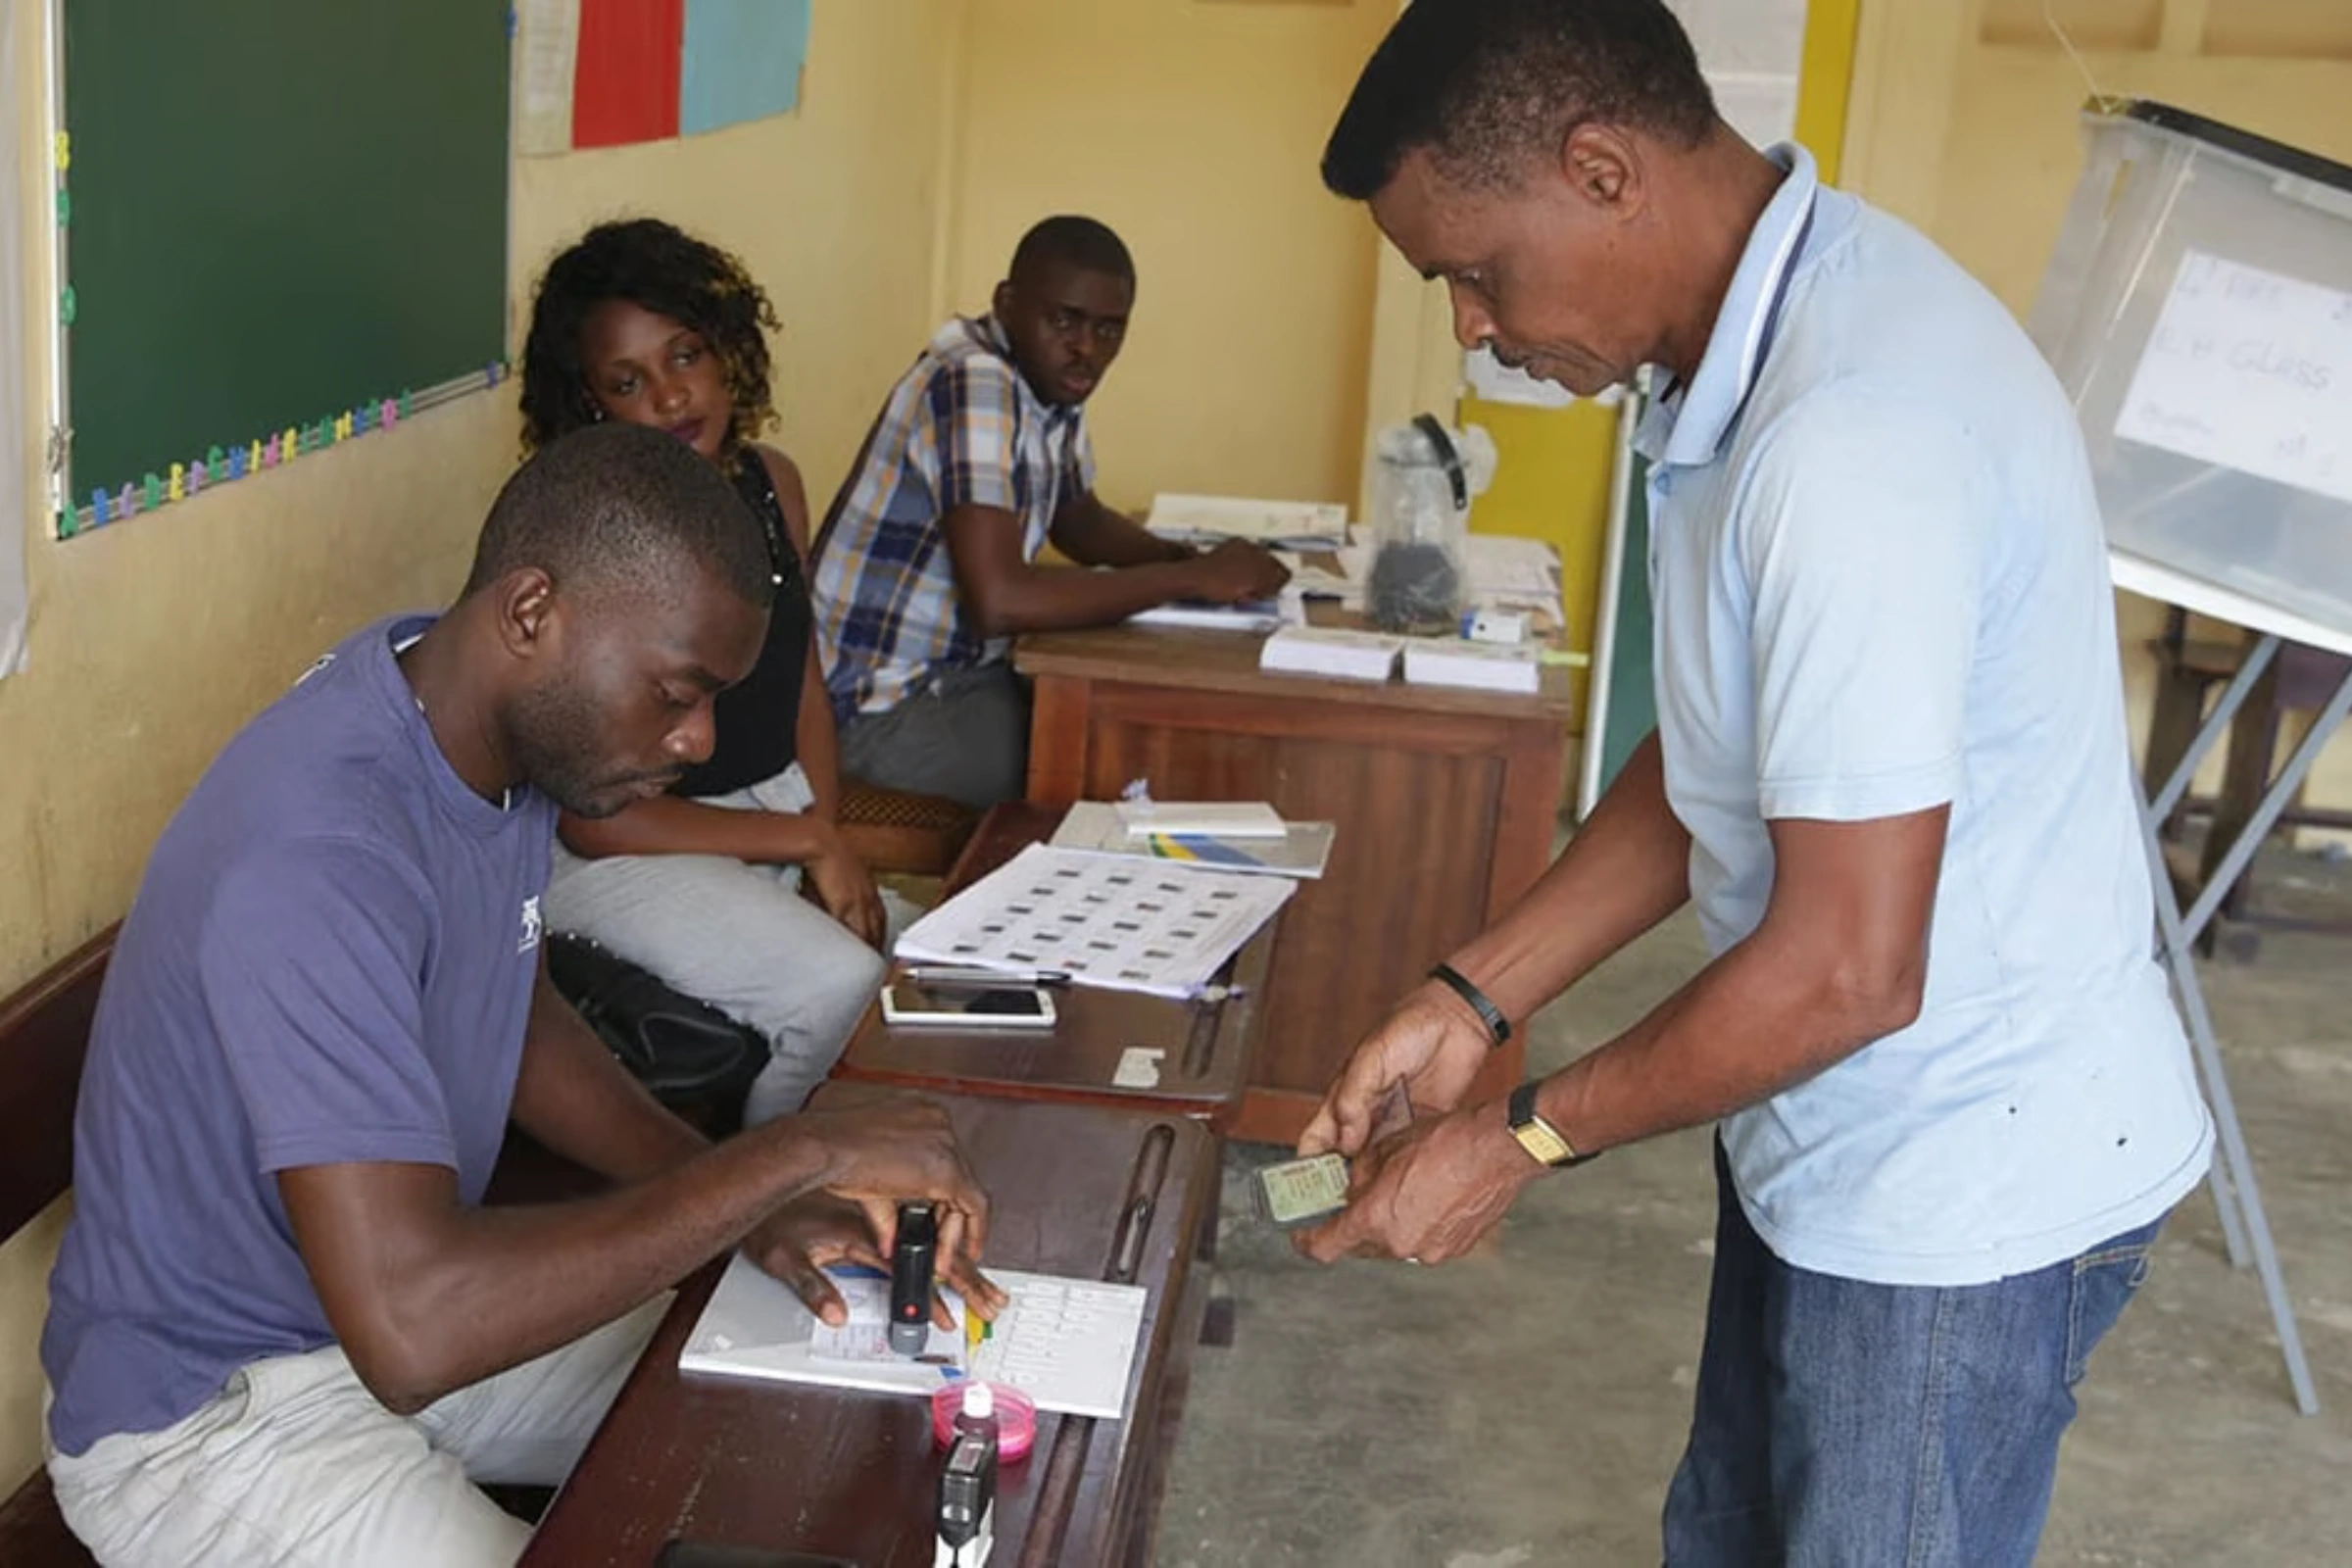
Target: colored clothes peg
(253,457)
(270,453)
(151,492)
(392,412)
(175,483)
(197,474)
(63,152)
(101,509)
(126,505)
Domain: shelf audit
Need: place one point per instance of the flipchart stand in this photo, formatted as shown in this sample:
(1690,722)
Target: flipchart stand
(2244,1229)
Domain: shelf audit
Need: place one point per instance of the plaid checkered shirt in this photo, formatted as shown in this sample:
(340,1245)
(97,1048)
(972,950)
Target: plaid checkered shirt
(961,429)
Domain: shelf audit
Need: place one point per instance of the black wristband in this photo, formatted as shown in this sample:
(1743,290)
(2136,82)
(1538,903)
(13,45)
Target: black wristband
(1447,975)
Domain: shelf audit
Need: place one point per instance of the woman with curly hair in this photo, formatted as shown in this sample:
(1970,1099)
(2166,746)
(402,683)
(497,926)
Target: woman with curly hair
(642,322)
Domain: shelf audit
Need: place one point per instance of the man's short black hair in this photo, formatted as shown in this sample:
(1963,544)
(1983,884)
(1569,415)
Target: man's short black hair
(621,506)
(1483,84)
(1079,242)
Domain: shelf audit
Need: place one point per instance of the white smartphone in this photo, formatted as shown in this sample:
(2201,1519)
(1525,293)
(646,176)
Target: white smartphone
(908,1003)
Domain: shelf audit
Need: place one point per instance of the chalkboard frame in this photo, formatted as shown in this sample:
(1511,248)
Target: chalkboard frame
(399,122)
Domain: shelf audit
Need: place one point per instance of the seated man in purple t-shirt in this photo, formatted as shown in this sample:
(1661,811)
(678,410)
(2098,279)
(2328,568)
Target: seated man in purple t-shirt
(282,1329)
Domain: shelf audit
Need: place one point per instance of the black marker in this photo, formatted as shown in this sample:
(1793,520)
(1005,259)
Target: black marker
(912,1263)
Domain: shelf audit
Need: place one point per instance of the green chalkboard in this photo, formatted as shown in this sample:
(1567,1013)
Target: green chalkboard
(1631,710)
(278,208)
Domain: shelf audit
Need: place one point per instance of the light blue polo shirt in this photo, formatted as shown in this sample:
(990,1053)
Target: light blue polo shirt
(1881,586)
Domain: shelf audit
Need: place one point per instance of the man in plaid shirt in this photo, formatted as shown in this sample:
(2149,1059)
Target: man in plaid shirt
(927,568)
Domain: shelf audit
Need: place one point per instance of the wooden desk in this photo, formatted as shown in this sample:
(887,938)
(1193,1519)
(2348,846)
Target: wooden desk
(1446,803)
(1208,1045)
(762,1465)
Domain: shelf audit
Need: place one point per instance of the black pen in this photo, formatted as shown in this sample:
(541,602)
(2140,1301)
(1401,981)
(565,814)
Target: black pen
(949,975)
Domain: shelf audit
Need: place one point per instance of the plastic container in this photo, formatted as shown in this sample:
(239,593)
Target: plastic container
(2198,310)
(1417,512)
(1015,1415)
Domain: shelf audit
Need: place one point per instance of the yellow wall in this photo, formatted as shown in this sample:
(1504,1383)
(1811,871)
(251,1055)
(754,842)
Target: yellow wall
(1196,132)
(1552,477)
(152,643)
(1965,122)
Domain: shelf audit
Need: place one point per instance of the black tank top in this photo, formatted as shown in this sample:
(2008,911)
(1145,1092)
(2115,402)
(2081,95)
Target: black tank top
(758,719)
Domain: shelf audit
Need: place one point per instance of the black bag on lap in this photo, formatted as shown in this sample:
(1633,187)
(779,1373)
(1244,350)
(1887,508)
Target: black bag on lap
(685,1051)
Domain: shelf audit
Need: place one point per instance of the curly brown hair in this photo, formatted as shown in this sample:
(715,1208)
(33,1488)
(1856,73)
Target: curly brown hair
(662,268)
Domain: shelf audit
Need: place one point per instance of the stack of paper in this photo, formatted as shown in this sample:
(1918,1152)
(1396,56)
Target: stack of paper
(1331,651)
(1310,581)
(1276,524)
(1483,667)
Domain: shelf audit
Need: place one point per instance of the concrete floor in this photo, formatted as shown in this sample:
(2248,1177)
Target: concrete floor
(1526,1410)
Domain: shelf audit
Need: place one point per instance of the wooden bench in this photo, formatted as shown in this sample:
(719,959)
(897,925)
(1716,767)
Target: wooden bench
(44,1032)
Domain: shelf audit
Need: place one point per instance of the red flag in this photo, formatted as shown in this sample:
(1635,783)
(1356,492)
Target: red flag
(625,84)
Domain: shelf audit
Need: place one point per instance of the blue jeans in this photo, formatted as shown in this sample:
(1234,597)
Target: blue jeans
(1881,1426)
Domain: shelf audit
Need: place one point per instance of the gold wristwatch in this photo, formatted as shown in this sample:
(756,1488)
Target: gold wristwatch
(1537,1136)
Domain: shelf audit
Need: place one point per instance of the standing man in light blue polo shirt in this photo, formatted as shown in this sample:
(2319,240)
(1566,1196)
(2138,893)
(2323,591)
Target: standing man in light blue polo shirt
(1953,1103)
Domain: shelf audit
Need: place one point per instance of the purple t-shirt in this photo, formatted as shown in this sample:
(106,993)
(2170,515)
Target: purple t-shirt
(330,960)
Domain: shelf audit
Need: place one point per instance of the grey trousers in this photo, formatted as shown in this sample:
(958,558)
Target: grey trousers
(966,737)
(739,937)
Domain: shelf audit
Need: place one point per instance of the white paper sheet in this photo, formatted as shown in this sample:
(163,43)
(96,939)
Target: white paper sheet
(1121,923)
(1296,524)
(1497,382)
(2251,370)
(1068,1344)
(547,43)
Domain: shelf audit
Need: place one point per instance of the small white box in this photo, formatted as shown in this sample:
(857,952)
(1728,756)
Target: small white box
(1478,666)
(1331,651)
(2198,310)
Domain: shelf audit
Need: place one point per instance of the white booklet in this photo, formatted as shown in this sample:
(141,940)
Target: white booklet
(1194,614)
(1068,1344)
(1336,651)
(1295,849)
(1239,820)
(1482,666)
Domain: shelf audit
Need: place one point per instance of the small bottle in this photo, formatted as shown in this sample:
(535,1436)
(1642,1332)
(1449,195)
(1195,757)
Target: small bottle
(978,1416)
